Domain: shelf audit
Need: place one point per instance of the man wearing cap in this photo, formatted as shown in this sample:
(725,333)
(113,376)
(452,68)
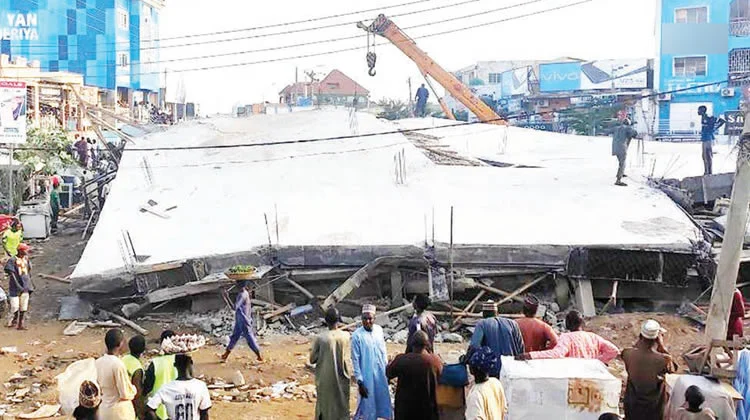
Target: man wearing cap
(577,344)
(329,354)
(486,399)
(647,363)
(243,323)
(500,334)
(537,334)
(422,320)
(18,269)
(369,362)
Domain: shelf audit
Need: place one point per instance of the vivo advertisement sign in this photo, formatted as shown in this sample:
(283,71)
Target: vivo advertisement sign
(593,75)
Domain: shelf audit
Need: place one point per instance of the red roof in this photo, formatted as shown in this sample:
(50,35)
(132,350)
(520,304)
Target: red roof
(337,83)
(300,88)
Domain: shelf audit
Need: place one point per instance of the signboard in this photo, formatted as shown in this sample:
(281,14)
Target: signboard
(19,27)
(735,122)
(515,82)
(593,75)
(12,111)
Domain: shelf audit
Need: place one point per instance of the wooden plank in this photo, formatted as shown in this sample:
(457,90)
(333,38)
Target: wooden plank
(361,275)
(280,311)
(528,286)
(152,268)
(496,291)
(125,321)
(187,289)
(302,290)
(55,278)
(468,308)
(387,313)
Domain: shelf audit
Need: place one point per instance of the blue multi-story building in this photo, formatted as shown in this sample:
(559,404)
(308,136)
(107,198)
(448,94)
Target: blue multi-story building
(700,42)
(113,43)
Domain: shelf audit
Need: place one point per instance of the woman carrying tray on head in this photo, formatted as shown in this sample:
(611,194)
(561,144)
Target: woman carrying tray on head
(243,323)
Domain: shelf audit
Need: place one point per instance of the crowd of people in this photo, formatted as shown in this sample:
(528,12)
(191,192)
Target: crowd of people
(418,371)
(166,389)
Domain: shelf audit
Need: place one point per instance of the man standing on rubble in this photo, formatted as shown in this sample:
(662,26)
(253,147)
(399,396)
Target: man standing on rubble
(421,97)
(620,142)
(369,363)
(709,126)
(537,334)
(243,323)
(422,320)
(500,334)
(332,370)
(577,344)
(647,364)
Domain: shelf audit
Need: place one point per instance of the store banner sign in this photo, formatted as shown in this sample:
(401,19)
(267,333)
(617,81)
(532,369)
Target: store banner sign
(735,123)
(12,111)
(593,75)
(515,82)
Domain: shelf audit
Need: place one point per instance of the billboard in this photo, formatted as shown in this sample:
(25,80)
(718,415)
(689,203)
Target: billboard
(735,123)
(593,75)
(515,82)
(12,111)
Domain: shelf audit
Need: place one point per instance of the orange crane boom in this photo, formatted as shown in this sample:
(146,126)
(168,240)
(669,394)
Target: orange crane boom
(386,28)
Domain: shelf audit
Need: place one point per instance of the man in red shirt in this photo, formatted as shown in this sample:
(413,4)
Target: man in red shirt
(736,315)
(537,334)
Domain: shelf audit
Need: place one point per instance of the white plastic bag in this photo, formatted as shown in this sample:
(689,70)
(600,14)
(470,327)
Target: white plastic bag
(69,383)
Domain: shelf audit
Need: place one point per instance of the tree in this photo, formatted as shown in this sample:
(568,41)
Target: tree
(47,151)
(596,119)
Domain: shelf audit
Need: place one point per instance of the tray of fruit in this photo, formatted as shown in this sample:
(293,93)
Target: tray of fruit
(242,272)
(186,343)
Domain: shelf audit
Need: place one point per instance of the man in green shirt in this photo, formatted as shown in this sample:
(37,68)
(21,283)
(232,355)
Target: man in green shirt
(54,202)
(12,238)
(160,372)
(132,361)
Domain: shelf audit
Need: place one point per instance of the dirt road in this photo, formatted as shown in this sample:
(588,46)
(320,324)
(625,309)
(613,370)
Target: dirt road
(43,351)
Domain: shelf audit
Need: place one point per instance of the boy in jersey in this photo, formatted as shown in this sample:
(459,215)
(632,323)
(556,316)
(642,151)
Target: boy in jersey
(185,398)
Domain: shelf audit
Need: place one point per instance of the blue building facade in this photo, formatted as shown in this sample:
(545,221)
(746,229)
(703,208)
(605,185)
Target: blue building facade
(113,43)
(700,42)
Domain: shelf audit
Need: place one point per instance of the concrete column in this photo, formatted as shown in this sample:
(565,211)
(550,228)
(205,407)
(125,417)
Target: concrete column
(731,248)
(397,293)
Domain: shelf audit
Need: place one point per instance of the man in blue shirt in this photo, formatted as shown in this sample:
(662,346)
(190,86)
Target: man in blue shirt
(421,97)
(709,125)
(501,335)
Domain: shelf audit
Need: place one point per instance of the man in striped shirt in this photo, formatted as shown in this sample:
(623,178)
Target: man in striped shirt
(577,344)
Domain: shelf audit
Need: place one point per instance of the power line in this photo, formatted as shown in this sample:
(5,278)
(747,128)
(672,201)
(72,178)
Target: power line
(339,39)
(324,53)
(381,133)
(288,32)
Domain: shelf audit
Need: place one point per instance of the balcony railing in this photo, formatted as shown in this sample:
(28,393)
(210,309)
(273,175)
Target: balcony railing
(740,27)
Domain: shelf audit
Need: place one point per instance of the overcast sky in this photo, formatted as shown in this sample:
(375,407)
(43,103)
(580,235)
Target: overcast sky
(598,29)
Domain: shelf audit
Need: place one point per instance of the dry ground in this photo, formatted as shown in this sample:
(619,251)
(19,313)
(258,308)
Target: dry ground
(49,352)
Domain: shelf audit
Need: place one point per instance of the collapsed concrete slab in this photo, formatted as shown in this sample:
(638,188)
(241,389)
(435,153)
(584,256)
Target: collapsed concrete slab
(304,190)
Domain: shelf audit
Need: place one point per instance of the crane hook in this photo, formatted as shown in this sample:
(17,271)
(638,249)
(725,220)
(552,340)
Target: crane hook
(371,59)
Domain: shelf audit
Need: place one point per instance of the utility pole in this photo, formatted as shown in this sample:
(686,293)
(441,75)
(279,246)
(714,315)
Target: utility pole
(410,95)
(731,248)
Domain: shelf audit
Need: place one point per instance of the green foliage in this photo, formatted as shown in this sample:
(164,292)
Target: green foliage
(48,151)
(241,269)
(393,109)
(595,119)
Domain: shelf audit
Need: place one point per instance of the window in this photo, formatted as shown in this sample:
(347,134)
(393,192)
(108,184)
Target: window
(122,19)
(691,15)
(122,59)
(495,78)
(689,66)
